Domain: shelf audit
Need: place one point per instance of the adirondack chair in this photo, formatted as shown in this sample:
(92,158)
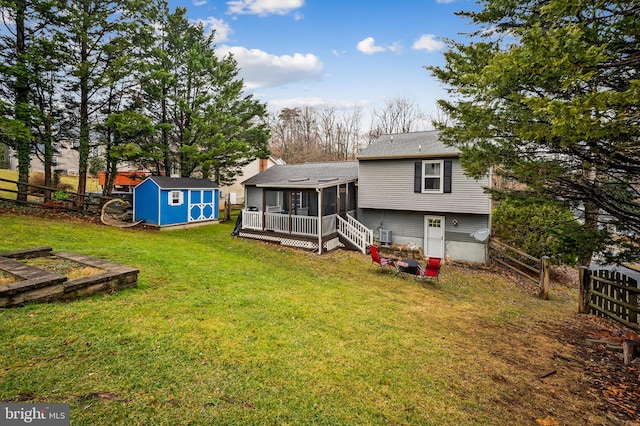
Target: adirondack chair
(382,262)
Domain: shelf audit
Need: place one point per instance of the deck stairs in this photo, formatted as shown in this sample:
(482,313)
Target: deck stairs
(354,234)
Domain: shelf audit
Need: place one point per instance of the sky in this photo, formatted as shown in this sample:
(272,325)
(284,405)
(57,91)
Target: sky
(335,53)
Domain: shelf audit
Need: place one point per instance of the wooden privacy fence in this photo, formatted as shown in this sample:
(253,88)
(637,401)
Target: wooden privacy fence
(523,264)
(610,294)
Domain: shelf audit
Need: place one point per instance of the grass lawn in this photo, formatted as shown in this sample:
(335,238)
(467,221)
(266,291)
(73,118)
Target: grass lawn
(229,331)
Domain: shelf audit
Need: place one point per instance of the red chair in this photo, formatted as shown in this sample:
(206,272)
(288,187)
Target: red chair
(432,269)
(383,262)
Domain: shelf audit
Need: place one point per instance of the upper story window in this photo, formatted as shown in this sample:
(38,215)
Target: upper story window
(175,198)
(432,176)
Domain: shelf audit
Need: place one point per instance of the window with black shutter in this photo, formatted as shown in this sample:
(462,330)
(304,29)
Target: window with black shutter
(432,176)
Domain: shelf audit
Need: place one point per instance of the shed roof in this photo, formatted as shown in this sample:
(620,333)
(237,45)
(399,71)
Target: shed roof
(307,175)
(408,145)
(166,182)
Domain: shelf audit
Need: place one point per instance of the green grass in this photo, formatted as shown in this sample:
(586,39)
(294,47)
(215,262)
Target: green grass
(229,331)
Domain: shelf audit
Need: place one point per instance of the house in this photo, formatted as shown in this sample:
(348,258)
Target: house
(64,158)
(311,205)
(165,201)
(236,190)
(412,189)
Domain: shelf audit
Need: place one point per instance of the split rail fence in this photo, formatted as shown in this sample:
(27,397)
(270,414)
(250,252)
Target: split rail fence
(529,267)
(46,197)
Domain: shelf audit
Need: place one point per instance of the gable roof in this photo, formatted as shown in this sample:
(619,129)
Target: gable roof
(166,182)
(408,145)
(307,175)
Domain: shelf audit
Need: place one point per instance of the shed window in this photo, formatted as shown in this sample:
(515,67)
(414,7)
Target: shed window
(175,198)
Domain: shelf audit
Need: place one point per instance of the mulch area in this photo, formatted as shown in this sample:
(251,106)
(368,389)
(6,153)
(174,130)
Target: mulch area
(612,384)
(48,212)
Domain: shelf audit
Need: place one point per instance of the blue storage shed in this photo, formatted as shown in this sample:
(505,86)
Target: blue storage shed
(167,201)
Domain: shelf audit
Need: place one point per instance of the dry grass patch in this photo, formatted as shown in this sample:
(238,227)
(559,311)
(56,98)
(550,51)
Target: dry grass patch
(6,278)
(66,267)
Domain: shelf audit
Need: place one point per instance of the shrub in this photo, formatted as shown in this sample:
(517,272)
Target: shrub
(543,228)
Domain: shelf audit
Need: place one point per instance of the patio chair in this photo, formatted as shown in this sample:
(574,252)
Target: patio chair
(383,262)
(431,270)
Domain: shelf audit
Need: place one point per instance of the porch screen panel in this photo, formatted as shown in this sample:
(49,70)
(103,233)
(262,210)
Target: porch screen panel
(273,198)
(313,203)
(329,199)
(352,197)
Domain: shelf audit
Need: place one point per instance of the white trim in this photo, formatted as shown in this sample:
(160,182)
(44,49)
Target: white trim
(427,219)
(172,201)
(440,189)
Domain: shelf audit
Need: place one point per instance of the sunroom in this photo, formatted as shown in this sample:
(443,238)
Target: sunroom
(311,205)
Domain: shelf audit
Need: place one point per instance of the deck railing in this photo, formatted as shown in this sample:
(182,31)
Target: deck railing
(358,234)
(294,224)
(304,225)
(351,229)
(252,220)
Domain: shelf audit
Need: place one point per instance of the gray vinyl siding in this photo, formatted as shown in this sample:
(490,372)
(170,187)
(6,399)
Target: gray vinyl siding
(411,224)
(388,184)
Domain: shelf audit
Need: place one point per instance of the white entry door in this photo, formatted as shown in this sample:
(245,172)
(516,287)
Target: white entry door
(434,236)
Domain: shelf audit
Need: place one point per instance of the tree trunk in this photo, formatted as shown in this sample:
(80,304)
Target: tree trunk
(591,225)
(83,143)
(23,143)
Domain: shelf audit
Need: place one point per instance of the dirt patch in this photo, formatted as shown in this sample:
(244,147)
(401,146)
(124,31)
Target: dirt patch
(66,267)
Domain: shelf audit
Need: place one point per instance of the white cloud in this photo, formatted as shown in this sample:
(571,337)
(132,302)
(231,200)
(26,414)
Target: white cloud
(260,69)
(368,46)
(264,7)
(445,1)
(278,104)
(199,2)
(429,43)
(222,29)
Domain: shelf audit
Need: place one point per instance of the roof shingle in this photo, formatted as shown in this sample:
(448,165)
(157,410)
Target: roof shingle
(408,145)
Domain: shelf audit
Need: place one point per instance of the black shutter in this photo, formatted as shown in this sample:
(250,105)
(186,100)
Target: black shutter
(447,176)
(417,176)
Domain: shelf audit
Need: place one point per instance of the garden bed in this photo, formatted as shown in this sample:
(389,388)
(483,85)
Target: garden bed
(47,277)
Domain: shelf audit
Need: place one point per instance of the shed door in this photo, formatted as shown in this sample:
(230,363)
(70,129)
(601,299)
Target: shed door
(434,236)
(201,206)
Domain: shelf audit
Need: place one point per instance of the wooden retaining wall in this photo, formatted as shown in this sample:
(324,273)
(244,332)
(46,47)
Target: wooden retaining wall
(36,285)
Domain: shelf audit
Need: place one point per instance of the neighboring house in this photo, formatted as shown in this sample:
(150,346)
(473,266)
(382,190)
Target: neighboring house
(65,158)
(165,201)
(311,205)
(236,190)
(412,189)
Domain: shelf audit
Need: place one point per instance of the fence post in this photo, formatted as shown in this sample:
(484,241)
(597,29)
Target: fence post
(544,277)
(583,288)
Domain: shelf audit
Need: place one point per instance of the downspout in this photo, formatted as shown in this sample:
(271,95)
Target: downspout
(319,192)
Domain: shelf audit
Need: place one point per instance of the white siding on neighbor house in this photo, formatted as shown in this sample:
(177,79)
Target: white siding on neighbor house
(388,185)
(250,170)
